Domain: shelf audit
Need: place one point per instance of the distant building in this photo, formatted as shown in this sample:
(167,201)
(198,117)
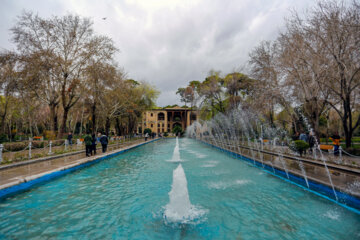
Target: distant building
(164,120)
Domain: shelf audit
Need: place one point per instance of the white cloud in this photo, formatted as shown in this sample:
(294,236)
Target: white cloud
(169,43)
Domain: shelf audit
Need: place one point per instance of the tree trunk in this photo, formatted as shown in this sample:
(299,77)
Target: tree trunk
(271,115)
(131,124)
(3,117)
(93,118)
(2,129)
(347,109)
(107,126)
(348,136)
(82,119)
(118,127)
(9,133)
(53,117)
(30,127)
(64,120)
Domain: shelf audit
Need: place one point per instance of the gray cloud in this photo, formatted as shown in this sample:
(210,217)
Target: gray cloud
(169,43)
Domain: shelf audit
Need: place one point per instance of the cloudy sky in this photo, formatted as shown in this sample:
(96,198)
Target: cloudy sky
(170,42)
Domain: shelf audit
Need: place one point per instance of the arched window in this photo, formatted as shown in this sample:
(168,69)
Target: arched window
(161,116)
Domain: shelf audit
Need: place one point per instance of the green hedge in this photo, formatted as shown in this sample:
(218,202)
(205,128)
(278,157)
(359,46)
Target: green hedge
(18,146)
(299,146)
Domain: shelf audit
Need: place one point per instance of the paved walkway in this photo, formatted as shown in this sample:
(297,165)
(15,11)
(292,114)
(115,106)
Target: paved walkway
(14,174)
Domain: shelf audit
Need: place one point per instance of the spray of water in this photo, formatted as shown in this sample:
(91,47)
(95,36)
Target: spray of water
(179,209)
(176,154)
(247,127)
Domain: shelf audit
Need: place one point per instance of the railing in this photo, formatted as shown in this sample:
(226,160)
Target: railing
(275,158)
(30,152)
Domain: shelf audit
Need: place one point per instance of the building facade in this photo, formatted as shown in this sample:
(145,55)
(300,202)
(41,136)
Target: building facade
(164,120)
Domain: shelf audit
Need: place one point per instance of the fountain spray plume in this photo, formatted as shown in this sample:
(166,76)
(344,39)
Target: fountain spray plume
(310,129)
(179,208)
(225,131)
(176,154)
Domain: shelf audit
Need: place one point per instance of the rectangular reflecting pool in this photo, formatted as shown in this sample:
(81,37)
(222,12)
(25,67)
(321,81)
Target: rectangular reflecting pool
(125,197)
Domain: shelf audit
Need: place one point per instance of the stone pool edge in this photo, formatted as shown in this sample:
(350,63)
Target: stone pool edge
(351,203)
(26,183)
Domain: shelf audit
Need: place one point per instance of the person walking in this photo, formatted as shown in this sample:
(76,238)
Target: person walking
(295,136)
(336,142)
(93,144)
(69,138)
(303,137)
(98,137)
(311,141)
(88,142)
(104,142)
(146,136)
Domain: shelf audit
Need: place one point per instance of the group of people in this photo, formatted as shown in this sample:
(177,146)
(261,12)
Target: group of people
(311,140)
(91,142)
(152,135)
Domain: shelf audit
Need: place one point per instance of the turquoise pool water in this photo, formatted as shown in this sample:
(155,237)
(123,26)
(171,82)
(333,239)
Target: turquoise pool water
(125,197)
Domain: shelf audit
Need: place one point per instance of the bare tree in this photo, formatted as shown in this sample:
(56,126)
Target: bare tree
(8,85)
(269,89)
(303,66)
(99,77)
(66,44)
(335,27)
(39,78)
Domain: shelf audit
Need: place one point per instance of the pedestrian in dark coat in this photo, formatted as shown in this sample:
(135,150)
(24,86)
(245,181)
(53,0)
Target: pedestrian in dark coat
(311,141)
(69,138)
(104,142)
(87,141)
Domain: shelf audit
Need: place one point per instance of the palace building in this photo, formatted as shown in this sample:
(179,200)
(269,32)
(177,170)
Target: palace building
(164,120)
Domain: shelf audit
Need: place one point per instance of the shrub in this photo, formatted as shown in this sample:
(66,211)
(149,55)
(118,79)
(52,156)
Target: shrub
(57,142)
(166,134)
(299,146)
(147,130)
(38,144)
(16,146)
(3,138)
(177,130)
(18,138)
(50,135)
